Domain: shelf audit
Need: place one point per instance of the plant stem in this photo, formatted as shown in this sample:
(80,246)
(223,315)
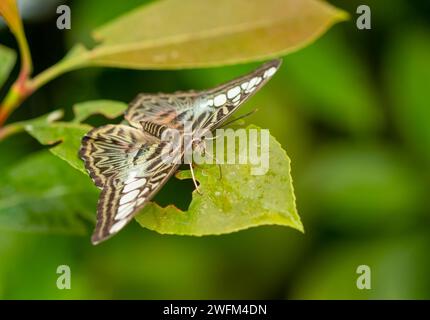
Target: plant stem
(13,98)
(24,87)
(54,71)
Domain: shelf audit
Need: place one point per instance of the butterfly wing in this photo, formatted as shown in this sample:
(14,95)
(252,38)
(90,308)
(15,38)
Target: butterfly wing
(122,198)
(221,102)
(110,149)
(128,165)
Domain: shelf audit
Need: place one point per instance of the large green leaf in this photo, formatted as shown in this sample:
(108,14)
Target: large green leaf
(172,34)
(7,61)
(66,138)
(238,200)
(43,194)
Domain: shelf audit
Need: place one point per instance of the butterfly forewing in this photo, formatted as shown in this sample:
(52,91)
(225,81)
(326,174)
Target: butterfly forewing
(221,102)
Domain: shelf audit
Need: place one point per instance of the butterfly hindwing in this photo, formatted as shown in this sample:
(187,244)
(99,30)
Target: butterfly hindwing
(122,197)
(110,149)
(127,164)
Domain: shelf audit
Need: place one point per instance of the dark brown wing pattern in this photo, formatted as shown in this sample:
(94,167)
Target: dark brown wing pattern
(127,165)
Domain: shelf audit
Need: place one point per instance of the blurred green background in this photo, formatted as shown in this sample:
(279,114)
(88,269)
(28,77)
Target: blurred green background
(353,112)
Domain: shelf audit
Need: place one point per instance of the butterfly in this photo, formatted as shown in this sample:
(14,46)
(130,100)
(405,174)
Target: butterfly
(125,161)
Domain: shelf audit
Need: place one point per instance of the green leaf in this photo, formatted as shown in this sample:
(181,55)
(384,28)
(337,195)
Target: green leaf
(173,34)
(236,201)
(66,138)
(408,74)
(7,61)
(42,194)
(108,108)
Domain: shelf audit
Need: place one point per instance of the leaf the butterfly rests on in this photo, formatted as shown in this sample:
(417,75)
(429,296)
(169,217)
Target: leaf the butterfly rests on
(127,162)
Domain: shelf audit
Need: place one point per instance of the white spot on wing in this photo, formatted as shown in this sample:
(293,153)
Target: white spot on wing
(129,196)
(233,92)
(253,82)
(219,100)
(124,211)
(131,177)
(269,72)
(134,185)
(117,226)
(244,85)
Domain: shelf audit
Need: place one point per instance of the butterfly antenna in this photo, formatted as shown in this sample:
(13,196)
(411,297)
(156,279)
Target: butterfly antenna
(240,117)
(194,179)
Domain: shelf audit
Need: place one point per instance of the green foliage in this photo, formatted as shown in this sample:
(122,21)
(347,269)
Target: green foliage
(42,194)
(333,86)
(66,136)
(350,109)
(7,61)
(408,75)
(398,267)
(109,109)
(338,177)
(161,35)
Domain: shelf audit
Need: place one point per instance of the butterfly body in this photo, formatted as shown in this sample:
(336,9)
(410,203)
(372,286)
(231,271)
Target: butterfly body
(126,162)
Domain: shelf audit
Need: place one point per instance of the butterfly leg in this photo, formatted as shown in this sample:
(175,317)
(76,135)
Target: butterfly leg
(194,179)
